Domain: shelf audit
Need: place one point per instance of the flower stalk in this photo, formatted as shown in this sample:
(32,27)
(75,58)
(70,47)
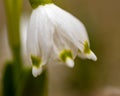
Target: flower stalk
(36,3)
(13,13)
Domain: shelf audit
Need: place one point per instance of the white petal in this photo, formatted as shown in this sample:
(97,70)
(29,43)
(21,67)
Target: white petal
(87,52)
(32,37)
(68,25)
(40,34)
(91,56)
(23,35)
(61,43)
(70,62)
(36,71)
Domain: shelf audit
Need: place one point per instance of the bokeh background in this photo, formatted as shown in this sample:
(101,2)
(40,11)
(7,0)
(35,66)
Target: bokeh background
(87,78)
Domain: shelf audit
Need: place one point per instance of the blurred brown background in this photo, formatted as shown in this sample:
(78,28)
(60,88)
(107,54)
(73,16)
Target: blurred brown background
(101,78)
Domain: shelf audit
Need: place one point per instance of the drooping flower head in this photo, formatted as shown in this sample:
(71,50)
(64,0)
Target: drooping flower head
(54,34)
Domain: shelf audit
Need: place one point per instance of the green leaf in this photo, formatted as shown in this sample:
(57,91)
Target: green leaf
(8,81)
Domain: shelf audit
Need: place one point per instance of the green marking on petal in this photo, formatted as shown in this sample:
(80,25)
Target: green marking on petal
(86,48)
(65,54)
(36,61)
(36,3)
(79,51)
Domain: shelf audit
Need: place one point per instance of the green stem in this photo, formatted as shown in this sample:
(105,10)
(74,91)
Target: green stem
(13,13)
(13,10)
(36,3)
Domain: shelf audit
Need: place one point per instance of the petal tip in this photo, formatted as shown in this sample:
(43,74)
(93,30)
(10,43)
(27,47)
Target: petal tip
(89,55)
(36,71)
(93,56)
(70,62)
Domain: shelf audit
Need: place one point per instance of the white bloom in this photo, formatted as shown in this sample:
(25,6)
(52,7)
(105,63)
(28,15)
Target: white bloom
(55,34)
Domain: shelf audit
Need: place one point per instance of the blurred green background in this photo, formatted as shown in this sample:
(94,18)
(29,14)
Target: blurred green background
(87,78)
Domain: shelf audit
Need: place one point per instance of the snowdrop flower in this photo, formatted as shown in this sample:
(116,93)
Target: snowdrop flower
(54,34)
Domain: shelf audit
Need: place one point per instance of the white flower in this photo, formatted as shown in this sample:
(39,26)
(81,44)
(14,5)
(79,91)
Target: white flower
(54,34)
